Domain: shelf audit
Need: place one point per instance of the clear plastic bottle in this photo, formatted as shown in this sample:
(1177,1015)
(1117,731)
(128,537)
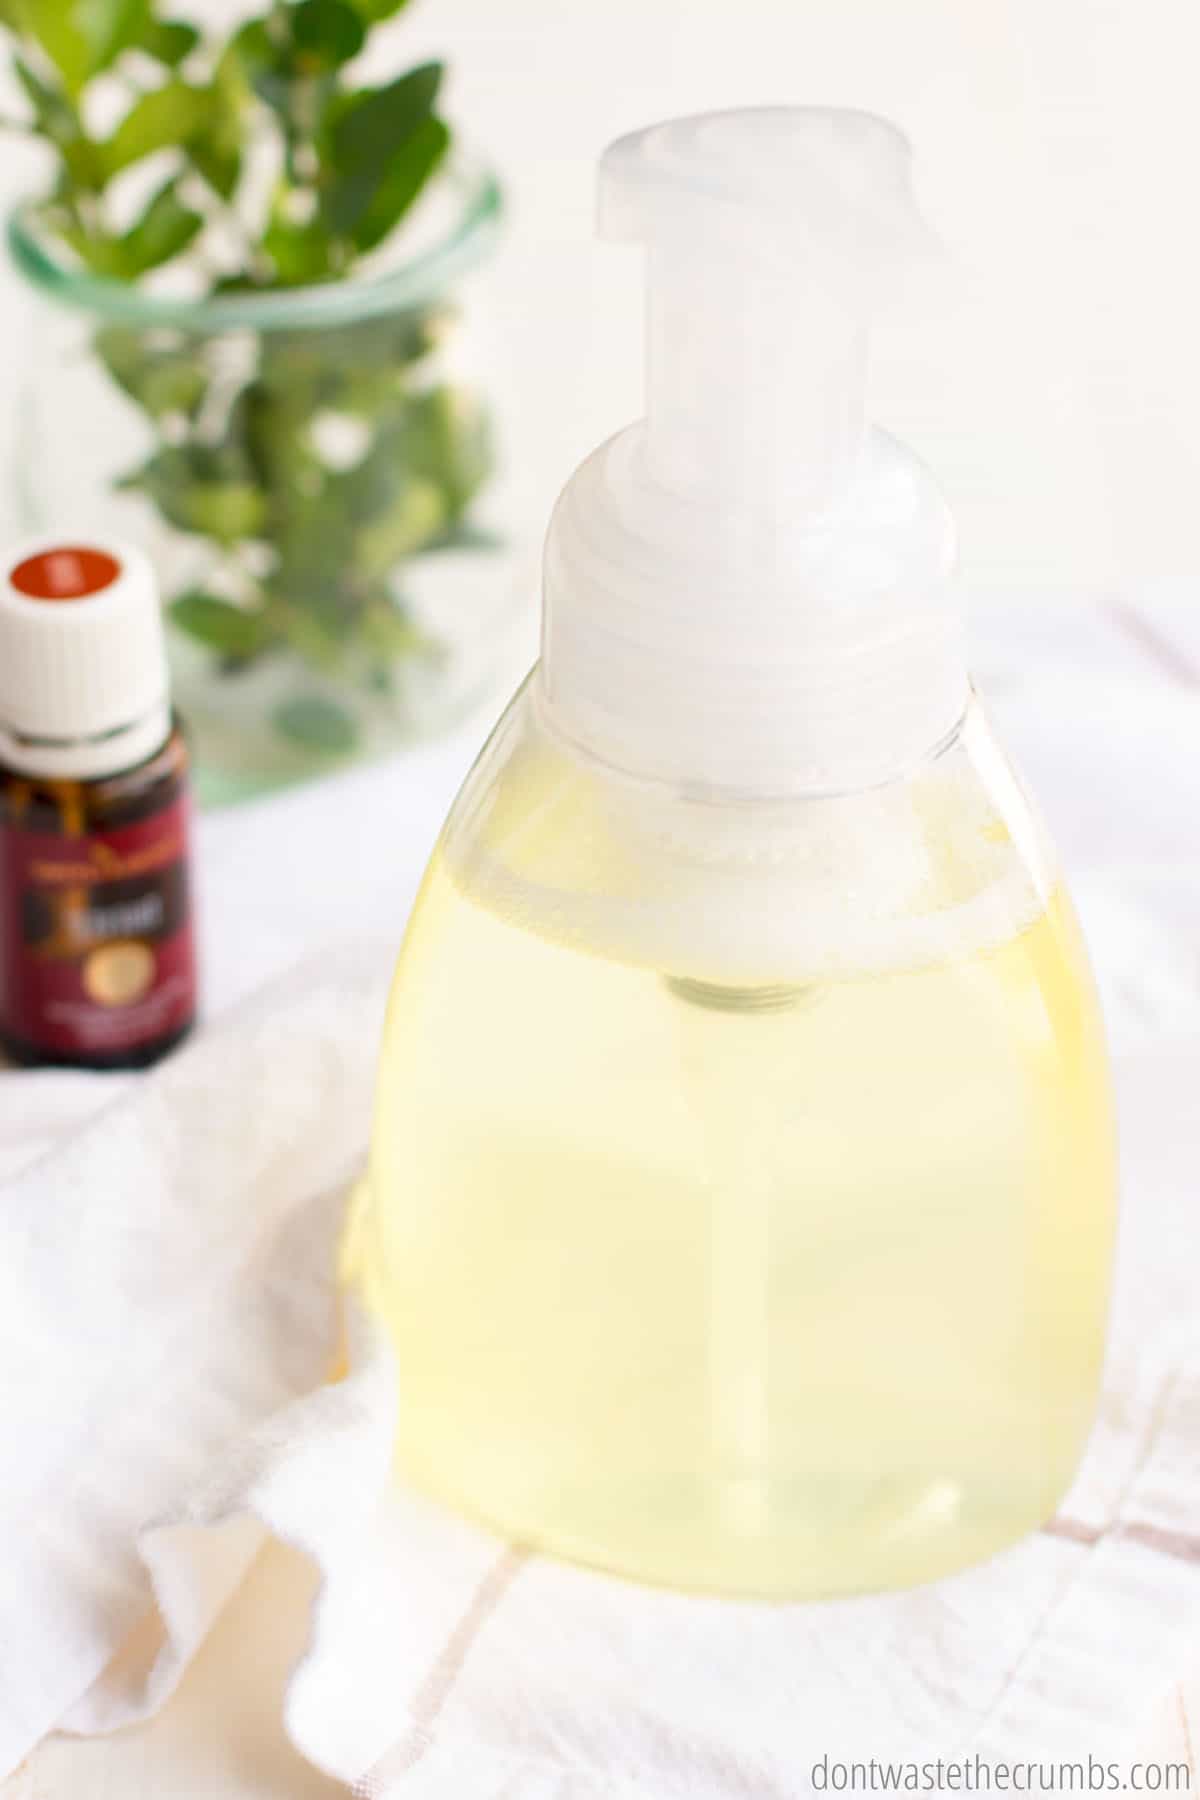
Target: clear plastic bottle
(740,1201)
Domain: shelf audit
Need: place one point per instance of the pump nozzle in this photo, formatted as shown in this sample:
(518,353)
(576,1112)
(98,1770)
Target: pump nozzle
(773,236)
(748,588)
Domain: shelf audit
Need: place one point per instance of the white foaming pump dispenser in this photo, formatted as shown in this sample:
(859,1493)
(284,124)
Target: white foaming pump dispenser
(741,1190)
(771,573)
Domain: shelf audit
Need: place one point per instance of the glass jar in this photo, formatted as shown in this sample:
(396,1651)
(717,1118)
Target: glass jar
(302,464)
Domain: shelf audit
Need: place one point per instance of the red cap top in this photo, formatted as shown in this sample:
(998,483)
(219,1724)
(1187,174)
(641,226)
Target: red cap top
(66,572)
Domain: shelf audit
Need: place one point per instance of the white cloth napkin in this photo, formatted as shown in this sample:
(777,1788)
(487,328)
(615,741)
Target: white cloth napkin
(166,1334)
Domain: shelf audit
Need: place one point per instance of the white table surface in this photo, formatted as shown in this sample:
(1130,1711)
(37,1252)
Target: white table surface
(1101,706)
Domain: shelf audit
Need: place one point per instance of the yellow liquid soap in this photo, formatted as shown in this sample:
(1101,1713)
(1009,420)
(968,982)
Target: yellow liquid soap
(782,1287)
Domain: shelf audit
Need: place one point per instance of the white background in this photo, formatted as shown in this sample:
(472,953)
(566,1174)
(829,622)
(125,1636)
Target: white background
(1058,145)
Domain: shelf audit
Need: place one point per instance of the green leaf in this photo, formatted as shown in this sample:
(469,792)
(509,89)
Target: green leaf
(226,510)
(298,253)
(165,228)
(325,34)
(218,161)
(169,41)
(102,255)
(271,428)
(109,27)
(315,546)
(317,723)
(163,118)
(389,633)
(55,26)
(82,37)
(448,440)
(262,63)
(239,283)
(289,59)
(316,643)
(237,633)
(163,382)
(52,112)
(381,346)
(56,119)
(200,489)
(216,151)
(417,513)
(308,366)
(375,11)
(409,169)
(366,131)
(424,465)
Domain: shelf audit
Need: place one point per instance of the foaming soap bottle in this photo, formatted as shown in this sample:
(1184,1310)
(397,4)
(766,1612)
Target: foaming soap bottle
(741,1192)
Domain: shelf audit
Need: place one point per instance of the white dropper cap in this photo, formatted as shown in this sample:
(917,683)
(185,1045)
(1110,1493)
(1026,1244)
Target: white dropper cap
(749,590)
(83,665)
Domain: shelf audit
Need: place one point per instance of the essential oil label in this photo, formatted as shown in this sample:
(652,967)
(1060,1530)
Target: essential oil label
(96,951)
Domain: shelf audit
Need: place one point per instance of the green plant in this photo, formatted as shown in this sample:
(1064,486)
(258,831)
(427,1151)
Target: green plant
(246,163)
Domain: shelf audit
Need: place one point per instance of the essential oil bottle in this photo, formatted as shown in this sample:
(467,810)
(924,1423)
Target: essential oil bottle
(97,960)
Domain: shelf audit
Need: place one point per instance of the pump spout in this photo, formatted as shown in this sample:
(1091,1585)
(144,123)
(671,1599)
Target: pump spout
(773,235)
(754,393)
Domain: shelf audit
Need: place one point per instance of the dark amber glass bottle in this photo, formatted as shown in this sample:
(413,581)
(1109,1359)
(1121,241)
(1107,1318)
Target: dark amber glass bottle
(97,965)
